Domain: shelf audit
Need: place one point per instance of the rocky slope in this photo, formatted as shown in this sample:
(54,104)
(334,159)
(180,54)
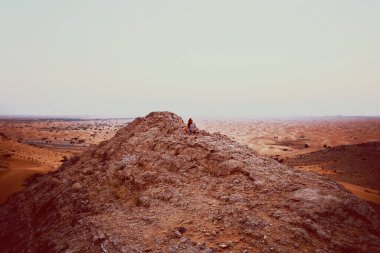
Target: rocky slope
(154,188)
(357,164)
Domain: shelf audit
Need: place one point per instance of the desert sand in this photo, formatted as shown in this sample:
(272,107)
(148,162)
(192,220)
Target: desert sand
(288,137)
(12,179)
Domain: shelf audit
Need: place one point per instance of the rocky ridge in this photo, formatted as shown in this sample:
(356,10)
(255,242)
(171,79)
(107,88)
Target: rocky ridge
(154,188)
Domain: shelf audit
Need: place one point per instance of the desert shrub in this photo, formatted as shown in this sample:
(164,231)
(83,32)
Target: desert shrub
(74,159)
(64,159)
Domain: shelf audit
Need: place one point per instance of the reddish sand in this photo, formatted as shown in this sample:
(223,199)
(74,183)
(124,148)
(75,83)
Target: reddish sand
(363,193)
(317,169)
(18,161)
(13,178)
(287,138)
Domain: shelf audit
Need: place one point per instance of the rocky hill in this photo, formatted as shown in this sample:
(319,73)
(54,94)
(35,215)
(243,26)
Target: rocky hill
(154,188)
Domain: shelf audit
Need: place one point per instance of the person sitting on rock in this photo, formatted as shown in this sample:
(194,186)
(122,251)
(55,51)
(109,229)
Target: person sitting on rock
(191,127)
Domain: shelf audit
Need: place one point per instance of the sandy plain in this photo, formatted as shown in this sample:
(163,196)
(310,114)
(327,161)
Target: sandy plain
(286,138)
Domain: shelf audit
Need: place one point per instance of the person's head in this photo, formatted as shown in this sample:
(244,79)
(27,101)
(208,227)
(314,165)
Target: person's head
(189,122)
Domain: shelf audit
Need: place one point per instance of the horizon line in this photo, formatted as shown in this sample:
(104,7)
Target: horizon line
(110,117)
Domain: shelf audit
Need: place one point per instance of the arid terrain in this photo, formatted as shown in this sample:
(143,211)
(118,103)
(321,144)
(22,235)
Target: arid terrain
(355,166)
(153,187)
(287,138)
(345,149)
(31,145)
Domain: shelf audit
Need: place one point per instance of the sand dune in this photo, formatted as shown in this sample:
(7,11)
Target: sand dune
(13,177)
(20,160)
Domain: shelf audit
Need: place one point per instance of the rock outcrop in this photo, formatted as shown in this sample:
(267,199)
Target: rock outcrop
(154,188)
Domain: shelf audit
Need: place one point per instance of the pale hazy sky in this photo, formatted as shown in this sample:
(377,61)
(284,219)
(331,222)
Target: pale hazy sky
(202,58)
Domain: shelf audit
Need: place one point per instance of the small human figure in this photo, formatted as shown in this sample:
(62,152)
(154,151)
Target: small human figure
(191,127)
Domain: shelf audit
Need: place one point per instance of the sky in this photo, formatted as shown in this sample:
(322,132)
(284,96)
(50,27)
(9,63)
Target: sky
(211,59)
